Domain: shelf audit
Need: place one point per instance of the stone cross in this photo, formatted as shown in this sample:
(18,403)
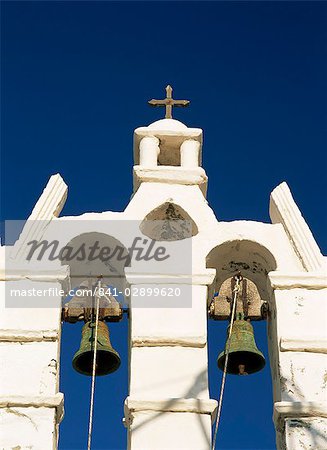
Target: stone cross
(169,102)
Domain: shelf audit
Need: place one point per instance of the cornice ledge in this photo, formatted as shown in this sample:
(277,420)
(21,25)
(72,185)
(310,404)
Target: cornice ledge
(292,280)
(159,341)
(309,344)
(182,405)
(171,175)
(187,132)
(290,410)
(11,335)
(205,278)
(33,273)
(35,401)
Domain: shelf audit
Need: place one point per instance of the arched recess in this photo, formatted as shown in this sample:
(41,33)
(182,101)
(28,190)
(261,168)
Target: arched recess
(92,254)
(88,255)
(168,222)
(252,259)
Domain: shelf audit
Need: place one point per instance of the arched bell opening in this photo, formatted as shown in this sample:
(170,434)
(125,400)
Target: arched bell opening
(250,258)
(249,333)
(168,222)
(94,254)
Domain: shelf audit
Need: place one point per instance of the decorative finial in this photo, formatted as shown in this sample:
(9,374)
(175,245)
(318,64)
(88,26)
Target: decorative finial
(169,102)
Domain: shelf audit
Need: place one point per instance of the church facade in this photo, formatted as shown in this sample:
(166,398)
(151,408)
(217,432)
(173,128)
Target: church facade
(281,259)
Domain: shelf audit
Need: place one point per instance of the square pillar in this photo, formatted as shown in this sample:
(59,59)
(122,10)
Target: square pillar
(298,353)
(31,406)
(168,404)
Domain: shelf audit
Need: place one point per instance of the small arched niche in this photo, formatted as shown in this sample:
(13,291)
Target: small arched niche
(168,222)
(250,258)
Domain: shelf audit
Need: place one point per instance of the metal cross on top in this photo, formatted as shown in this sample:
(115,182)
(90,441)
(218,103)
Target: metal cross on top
(169,102)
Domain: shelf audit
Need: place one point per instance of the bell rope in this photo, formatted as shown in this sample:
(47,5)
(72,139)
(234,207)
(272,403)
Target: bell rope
(97,296)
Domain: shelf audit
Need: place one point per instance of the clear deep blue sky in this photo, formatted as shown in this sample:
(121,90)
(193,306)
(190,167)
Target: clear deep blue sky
(75,80)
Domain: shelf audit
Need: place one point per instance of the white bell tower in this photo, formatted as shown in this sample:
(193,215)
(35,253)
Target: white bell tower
(169,406)
(169,365)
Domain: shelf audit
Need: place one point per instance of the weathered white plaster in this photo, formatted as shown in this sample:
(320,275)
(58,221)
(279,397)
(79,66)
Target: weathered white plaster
(31,368)
(173,372)
(297,370)
(296,309)
(162,325)
(28,428)
(149,421)
(170,430)
(301,425)
(303,434)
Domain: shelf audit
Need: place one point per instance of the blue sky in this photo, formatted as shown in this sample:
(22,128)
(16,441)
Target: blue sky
(75,78)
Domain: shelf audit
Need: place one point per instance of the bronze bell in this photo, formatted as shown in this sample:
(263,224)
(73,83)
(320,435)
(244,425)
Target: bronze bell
(107,359)
(244,357)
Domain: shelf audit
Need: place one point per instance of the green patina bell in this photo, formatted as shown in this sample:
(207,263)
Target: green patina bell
(107,359)
(244,357)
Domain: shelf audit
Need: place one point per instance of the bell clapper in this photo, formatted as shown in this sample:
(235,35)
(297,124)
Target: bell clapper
(241,370)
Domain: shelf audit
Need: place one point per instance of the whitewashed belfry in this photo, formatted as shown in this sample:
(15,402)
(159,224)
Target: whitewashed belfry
(168,357)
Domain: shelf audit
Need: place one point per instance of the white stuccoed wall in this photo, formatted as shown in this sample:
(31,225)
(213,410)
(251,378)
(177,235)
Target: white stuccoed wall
(169,406)
(31,406)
